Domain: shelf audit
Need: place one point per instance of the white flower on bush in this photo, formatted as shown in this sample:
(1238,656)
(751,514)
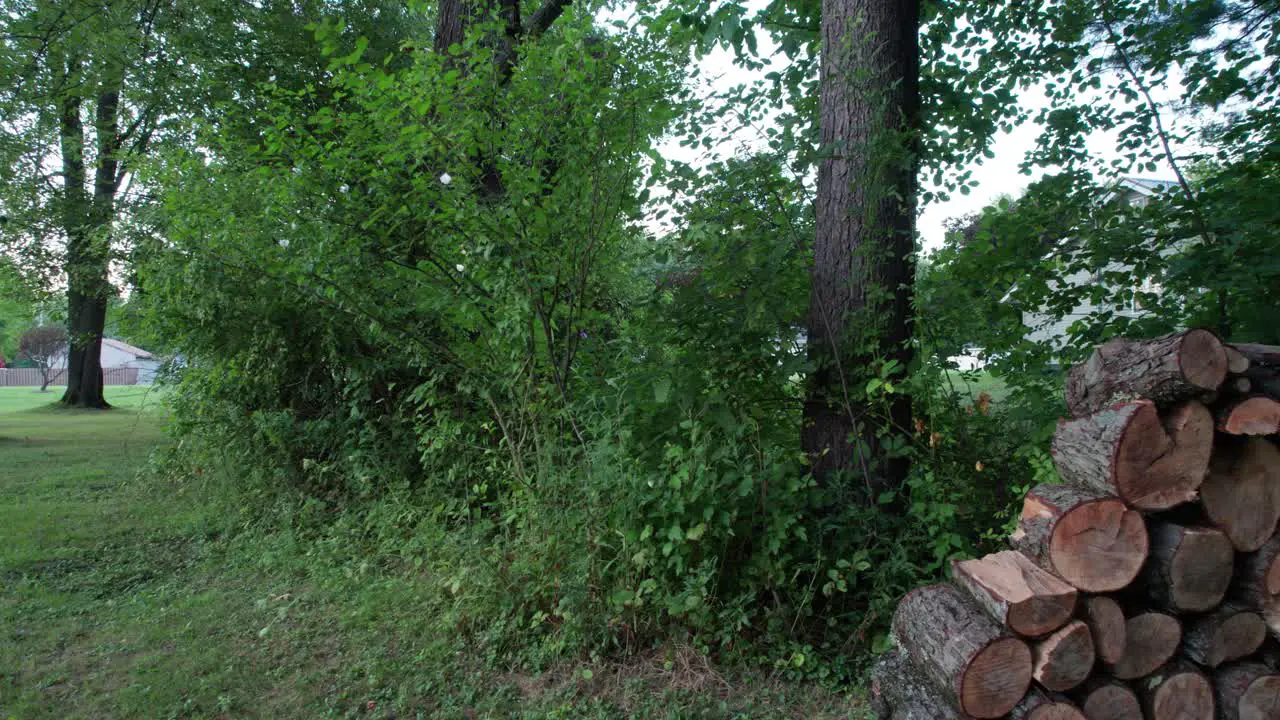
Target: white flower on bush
(446,178)
(284,243)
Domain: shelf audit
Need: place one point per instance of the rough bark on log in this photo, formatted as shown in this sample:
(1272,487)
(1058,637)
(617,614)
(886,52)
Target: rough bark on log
(1247,691)
(1104,698)
(1151,639)
(1265,380)
(1090,540)
(1107,625)
(1265,355)
(1241,493)
(1064,659)
(981,670)
(1167,370)
(1257,577)
(1177,691)
(1188,568)
(1016,592)
(1129,450)
(1228,633)
(1255,415)
(1237,362)
(1039,705)
(899,692)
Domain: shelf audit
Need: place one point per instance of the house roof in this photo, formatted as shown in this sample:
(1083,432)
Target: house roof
(126,347)
(1148,186)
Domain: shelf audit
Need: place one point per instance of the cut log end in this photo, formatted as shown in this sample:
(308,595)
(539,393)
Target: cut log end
(996,679)
(1110,701)
(1247,691)
(1107,625)
(1229,633)
(1241,493)
(1100,547)
(1152,638)
(1251,416)
(1237,362)
(1064,659)
(1039,705)
(1181,694)
(1189,569)
(1203,359)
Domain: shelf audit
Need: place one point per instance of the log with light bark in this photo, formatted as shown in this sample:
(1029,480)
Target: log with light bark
(1016,592)
(1257,577)
(1039,705)
(1188,568)
(1088,539)
(1247,691)
(1107,626)
(1064,659)
(1129,450)
(1264,355)
(980,669)
(899,692)
(1228,633)
(1151,640)
(1255,415)
(1241,493)
(1237,362)
(1105,698)
(1167,370)
(1177,691)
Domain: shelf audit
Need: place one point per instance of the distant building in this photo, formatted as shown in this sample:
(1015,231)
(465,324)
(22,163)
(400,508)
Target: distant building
(1044,328)
(122,355)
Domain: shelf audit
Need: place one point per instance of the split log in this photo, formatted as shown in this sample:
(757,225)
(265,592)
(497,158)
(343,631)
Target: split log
(1247,691)
(1177,691)
(1151,640)
(1255,415)
(1228,633)
(898,692)
(1063,660)
(1090,540)
(1107,626)
(1241,493)
(1128,450)
(1188,568)
(982,671)
(1017,593)
(1265,355)
(1257,576)
(1039,705)
(1103,698)
(1167,370)
(1237,362)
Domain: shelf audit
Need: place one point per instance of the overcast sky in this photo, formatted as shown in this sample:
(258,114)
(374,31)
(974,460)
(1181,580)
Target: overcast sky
(993,178)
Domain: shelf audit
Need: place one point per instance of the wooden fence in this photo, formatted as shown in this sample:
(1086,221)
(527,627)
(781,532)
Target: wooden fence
(30,377)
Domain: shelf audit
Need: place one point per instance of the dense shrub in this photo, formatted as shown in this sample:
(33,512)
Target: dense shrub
(423,328)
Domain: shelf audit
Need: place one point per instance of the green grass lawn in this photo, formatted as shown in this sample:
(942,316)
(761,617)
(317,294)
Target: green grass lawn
(124,593)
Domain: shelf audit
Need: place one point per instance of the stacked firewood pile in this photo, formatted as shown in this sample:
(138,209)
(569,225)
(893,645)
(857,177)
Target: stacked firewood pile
(1144,586)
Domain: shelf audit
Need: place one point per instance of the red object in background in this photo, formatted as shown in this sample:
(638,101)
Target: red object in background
(1,361)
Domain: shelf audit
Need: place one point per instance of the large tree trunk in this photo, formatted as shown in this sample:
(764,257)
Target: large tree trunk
(85,222)
(860,298)
(89,257)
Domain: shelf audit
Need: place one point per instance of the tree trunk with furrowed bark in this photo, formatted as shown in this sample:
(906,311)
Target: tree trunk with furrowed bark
(860,297)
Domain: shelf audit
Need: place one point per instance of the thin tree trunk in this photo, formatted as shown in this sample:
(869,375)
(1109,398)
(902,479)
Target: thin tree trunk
(862,266)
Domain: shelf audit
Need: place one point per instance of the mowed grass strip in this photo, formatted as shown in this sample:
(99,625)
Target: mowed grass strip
(126,593)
